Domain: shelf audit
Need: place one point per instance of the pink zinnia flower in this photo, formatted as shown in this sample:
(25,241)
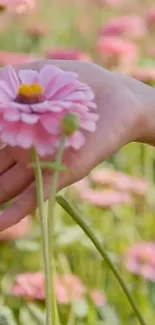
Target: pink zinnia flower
(98,298)
(120,181)
(151,18)
(18,6)
(33,106)
(17,231)
(110,3)
(68,54)
(31,286)
(129,26)
(15,58)
(140,260)
(37,30)
(115,51)
(101,198)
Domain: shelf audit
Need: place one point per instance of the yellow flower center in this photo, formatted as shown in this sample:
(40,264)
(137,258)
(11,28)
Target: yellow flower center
(30,90)
(30,94)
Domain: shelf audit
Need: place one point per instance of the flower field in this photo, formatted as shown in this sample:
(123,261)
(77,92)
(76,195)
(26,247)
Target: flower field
(117,199)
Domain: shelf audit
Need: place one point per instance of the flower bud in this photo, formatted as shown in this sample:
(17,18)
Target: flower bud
(70,123)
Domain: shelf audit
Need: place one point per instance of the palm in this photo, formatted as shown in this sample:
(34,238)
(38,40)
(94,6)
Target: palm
(114,101)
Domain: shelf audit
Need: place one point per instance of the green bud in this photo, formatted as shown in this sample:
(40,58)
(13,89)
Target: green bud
(70,123)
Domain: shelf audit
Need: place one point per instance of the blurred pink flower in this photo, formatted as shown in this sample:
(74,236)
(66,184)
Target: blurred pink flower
(68,54)
(101,198)
(129,26)
(33,105)
(32,286)
(150,18)
(145,75)
(120,181)
(98,298)
(17,231)
(118,52)
(111,3)
(140,260)
(37,30)
(18,6)
(14,58)
(68,288)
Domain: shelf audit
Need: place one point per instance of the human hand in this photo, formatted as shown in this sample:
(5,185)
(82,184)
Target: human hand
(121,106)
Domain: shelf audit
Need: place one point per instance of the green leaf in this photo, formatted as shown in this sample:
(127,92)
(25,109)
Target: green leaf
(109,316)
(80,308)
(36,313)
(6,316)
(70,235)
(27,245)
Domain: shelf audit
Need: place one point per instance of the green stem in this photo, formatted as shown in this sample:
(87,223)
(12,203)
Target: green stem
(45,241)
(90,233)
(51,228)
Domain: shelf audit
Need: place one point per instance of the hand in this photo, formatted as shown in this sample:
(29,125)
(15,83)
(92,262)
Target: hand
(120,102)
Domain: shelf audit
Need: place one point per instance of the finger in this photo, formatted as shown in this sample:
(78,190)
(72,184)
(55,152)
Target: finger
(6,159)
(27,201)
(13,181)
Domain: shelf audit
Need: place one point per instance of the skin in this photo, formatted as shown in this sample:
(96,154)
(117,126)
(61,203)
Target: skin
(126,110)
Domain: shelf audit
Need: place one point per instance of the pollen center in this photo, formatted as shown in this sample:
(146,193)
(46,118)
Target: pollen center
(30,94)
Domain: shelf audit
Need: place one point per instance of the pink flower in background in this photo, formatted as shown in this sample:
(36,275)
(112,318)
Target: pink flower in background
(68,288)
(120,181)
(116,51)
(37,30)
(111,3)
(150,18)
(33,106)
(31,286)
(145,75)
(101,198)
(18,6)
(17,231)
(98,298)
(68,54)
(140,260)
(129,26)
(14,58)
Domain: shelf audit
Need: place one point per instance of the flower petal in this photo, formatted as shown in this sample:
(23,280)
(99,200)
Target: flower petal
(28,77)
(10,76)
(80,96)
(11,116)
(6,94)
(88,125)
(77,140)
(63,84)
(25,137)
(51,124)
(47,74)
(8,135)
(45,107)
(29,118)
(20,107)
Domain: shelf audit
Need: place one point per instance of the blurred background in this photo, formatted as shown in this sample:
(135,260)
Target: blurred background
(117,197)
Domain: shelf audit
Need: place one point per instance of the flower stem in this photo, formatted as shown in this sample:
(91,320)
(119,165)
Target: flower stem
(90,233)
(51,230)
(45,241)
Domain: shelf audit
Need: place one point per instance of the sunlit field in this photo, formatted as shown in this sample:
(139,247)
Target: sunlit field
(118,197)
